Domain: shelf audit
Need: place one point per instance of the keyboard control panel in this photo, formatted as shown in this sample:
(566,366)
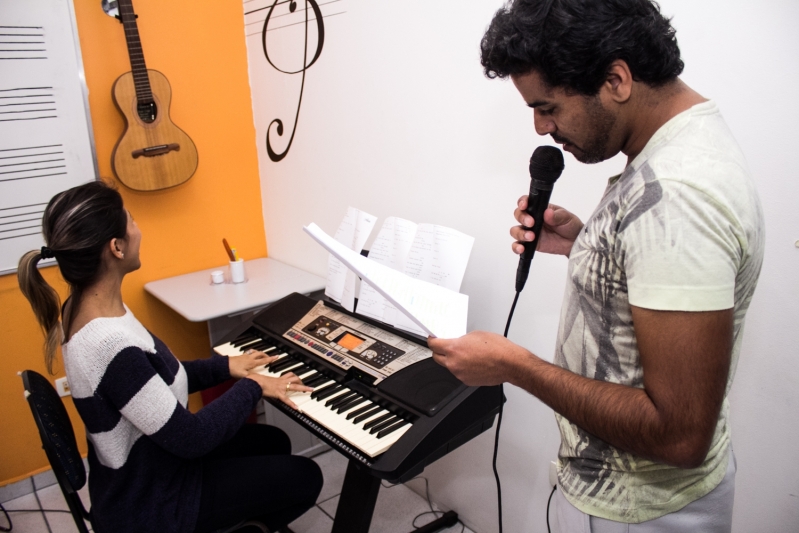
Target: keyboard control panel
(346,342)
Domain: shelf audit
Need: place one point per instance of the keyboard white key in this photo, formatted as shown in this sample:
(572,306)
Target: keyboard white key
(327,415)
(229,350)
(354,434)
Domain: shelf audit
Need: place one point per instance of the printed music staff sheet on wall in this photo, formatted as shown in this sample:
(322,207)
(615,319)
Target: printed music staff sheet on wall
(435,310)
(427,252)
(352,233)
(45,137)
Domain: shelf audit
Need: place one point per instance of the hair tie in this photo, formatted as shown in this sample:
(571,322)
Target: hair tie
(47,253)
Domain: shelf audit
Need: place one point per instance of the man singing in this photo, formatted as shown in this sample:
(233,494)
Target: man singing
(659,277)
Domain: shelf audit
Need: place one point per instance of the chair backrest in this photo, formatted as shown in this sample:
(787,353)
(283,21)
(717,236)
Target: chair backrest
(58,441)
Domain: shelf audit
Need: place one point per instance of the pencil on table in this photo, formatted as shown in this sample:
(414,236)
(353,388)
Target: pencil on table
(228,250)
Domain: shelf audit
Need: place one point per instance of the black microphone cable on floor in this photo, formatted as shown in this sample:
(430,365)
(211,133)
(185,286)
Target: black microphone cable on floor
(499,421)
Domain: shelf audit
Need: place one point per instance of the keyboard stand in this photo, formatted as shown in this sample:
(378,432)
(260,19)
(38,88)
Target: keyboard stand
(356,505)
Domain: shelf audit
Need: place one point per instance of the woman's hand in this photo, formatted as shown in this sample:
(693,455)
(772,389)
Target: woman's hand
(557,236)
(279,388)
(241,365)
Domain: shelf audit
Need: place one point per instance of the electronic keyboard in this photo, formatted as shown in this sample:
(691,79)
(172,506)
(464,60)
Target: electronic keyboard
(379,397)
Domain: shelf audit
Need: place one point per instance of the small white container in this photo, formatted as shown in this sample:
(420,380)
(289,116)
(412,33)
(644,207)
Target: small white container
(237,273)
(217,277)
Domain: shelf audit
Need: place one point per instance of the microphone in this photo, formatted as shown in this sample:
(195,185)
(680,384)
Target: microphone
(546,165)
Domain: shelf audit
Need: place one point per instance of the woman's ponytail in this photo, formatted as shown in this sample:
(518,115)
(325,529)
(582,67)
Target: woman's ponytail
(45,303)
(77,224)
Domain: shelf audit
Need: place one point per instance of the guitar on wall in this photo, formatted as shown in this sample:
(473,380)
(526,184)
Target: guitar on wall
(153,153)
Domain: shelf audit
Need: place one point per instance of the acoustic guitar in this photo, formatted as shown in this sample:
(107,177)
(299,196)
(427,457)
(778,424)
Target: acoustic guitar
(153,153)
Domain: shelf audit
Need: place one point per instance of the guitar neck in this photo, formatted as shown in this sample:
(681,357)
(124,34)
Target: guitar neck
(144,93)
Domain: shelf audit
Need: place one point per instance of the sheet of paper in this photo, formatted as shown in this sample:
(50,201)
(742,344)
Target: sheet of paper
(352,233)
(427,252)
(436,310)
(439,255)
(390,249)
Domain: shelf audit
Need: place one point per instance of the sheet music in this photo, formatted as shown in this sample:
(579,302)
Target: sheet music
(427,252)
(390,248)
(439,255)
(435,310)
(45,140)
(352,233)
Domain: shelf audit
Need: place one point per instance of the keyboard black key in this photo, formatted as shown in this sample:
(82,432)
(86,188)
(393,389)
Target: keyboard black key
(344,392)
(243,336)
(349,404)
(392,428)
(281,359)
(297,370)
(318,379)
(247,345)
(368,414)
(338,400)
(315,394)
(244,339)
(361,410)
(329,392)
(260,346)
(384,425)
(378,420)
(309,373)
(283,364)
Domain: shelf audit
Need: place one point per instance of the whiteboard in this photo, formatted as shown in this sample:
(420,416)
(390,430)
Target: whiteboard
(46,143)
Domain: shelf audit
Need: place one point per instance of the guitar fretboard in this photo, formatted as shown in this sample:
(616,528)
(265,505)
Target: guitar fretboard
(137,66)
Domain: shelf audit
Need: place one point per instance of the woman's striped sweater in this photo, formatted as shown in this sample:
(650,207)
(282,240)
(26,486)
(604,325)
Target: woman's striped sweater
(145,446)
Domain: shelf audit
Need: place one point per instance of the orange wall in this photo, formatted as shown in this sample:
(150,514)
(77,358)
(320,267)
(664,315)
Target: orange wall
(200,48)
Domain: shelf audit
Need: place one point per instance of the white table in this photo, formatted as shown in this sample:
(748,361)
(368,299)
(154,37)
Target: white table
(227,305)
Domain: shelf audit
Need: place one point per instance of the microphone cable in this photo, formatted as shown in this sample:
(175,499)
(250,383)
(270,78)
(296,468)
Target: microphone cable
(499,421)
(546,165)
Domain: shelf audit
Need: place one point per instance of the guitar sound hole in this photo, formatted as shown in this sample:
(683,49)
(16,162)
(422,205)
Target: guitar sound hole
(147,111)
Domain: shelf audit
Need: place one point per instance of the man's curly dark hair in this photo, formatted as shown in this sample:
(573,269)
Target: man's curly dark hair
(572,43)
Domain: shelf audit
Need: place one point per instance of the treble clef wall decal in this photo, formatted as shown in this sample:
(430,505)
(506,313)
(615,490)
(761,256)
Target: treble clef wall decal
(320,26)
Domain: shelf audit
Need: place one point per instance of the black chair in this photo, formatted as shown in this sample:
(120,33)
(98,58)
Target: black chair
(58,441)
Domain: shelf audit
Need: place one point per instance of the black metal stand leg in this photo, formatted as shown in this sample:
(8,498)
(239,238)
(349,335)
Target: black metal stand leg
(357,501)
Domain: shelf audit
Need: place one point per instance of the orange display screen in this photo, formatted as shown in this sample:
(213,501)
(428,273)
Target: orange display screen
(349,341)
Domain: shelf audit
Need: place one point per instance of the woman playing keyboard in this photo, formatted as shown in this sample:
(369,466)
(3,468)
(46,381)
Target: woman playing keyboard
(154,465)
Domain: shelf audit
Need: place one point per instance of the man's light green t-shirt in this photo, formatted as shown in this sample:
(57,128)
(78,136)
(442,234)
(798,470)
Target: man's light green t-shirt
(680,230)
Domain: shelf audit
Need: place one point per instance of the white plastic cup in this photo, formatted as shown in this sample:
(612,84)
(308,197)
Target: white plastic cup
(217,277)
(237,274)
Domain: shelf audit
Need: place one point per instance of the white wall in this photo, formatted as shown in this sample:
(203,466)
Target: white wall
(397,119)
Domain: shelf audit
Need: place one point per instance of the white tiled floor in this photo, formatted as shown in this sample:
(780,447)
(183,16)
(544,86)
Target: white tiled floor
(396,506)
(34,522)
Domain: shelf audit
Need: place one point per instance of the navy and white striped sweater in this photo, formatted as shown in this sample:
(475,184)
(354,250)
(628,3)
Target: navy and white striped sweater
(145,447)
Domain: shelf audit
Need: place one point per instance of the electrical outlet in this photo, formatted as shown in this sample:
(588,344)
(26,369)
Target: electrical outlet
(553,474)
(62,386)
